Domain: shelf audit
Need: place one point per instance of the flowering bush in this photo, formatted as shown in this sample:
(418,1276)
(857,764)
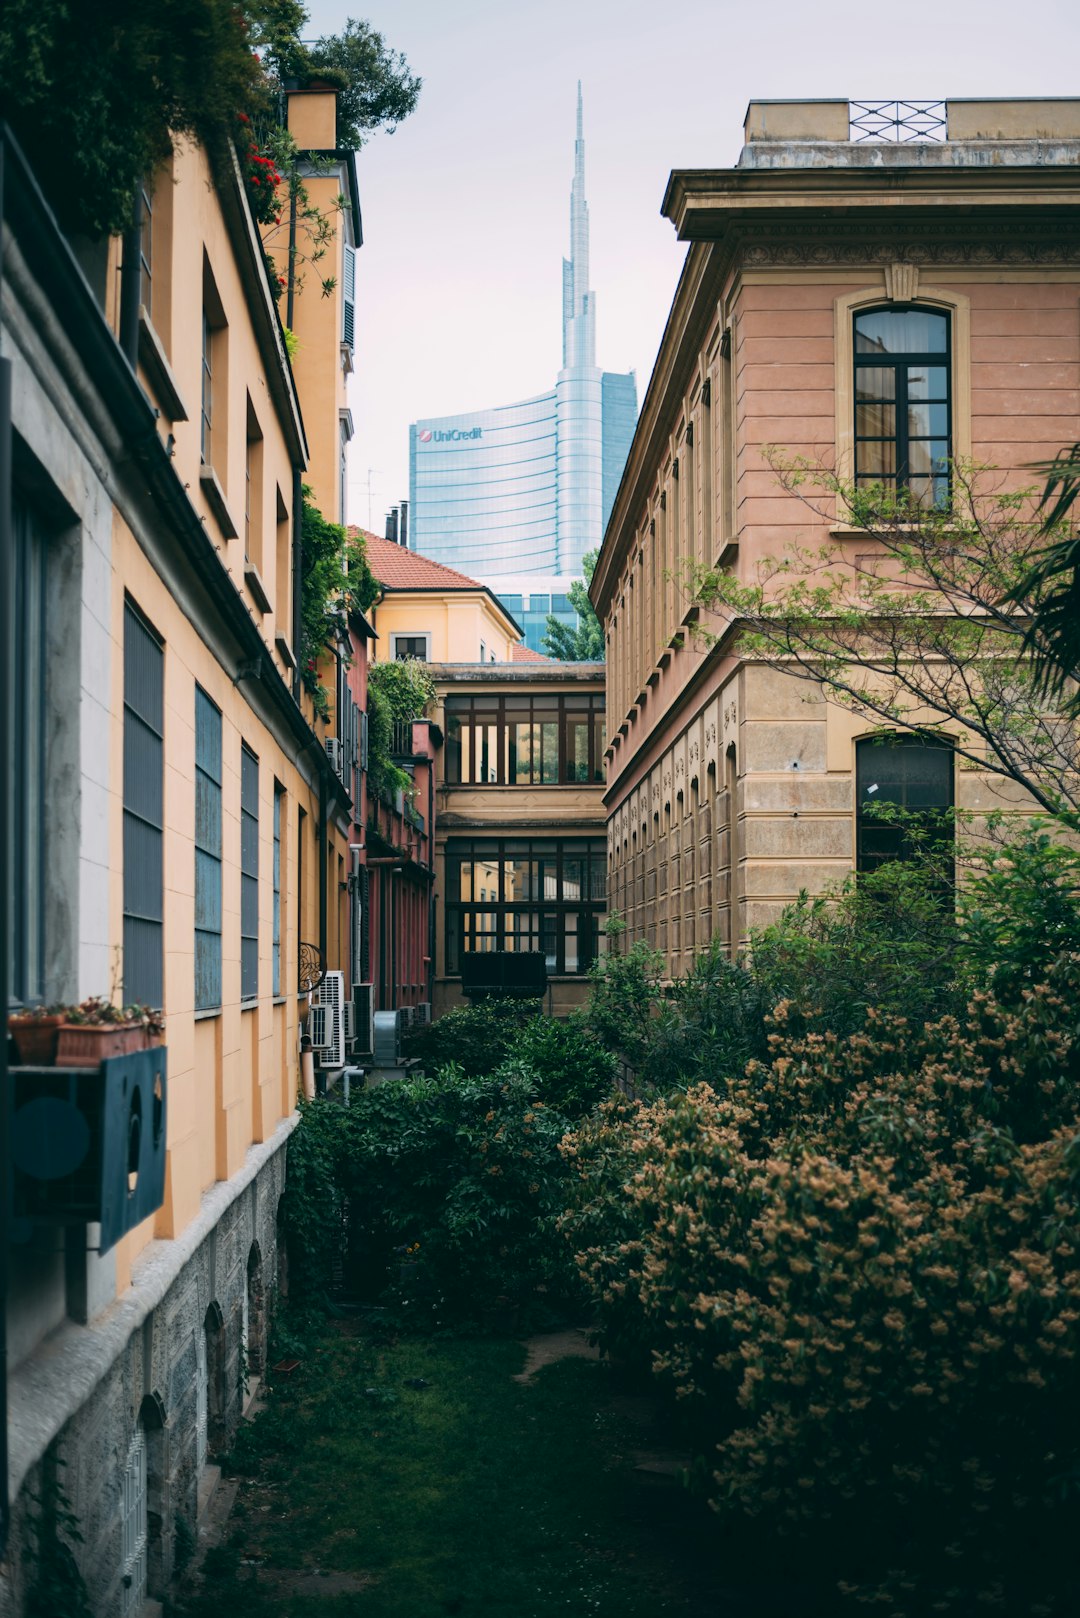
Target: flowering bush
(859,1265)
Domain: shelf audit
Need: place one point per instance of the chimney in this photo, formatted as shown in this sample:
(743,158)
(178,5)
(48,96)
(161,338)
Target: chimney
(392,524)
(405,524)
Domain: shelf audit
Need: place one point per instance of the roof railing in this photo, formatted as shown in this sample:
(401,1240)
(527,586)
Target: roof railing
(898,121)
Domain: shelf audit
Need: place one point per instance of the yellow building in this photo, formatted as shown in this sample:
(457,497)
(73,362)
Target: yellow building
(180,835)
(433,612)
(819,270)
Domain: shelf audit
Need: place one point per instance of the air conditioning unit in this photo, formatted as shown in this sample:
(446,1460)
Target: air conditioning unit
(363,1008)
(422,1014)
(326,1030)
(330,992)
(405,1019)
(333,752)
(319,1023)
(386,1039)
(348,1023)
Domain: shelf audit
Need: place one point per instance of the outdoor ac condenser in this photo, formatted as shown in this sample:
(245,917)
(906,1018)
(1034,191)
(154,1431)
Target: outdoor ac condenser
(387,1038)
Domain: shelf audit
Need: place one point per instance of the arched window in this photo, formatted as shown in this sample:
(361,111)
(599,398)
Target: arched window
(903,413)
(917,775)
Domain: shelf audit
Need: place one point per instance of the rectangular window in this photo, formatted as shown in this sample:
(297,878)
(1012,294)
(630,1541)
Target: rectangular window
(144,722)
(902,416)
(279,802)
(916,777)
(411,646)
(249,874)
(24,768)
(215,377)
(207,853)
(524,740)
(146,250)
(253,490)
(544,894)
(207,389)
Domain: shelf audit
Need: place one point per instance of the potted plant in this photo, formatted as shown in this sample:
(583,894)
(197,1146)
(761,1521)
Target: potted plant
(34,1030)
(97,1029)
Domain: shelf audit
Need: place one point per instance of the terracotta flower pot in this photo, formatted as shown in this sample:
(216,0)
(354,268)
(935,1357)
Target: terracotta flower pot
(35,1039)
(88,1044)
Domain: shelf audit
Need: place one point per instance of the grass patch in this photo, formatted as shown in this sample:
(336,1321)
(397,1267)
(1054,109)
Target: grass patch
(474,1494)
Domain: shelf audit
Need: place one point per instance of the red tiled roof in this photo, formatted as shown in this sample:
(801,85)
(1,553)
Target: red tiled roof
(525,654)
(399,569)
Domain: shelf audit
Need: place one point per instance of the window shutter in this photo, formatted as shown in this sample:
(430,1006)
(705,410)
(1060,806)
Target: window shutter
(363,741)
(348,312)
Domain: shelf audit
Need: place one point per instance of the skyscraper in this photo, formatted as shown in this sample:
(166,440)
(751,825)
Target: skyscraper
(517,494)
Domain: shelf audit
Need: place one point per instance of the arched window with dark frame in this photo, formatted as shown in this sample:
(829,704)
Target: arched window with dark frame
(903,406)
(916,774)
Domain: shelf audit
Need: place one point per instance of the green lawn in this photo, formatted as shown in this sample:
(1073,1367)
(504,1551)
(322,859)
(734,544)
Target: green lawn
(475,1495)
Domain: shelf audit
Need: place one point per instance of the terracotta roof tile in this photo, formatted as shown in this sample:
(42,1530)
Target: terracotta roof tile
(525,654)
(399,569)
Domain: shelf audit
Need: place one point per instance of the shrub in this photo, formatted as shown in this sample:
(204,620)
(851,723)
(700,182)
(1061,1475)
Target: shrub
(572,1071)
(858,1266)
(451,1184)
(475,1038)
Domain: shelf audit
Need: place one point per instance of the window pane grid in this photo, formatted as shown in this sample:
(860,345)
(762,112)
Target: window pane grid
(207,853)
(143,812)
(25,765)
(276,950)
(902,406)
(249,874)
(526,894)
(524,741)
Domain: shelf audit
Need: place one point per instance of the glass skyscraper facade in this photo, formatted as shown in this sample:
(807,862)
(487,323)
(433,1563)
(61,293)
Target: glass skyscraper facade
(516,495)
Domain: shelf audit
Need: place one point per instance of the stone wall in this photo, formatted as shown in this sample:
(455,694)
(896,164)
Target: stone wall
(153,1382)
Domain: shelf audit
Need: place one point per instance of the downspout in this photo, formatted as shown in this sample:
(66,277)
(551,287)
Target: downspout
(431,875)
(7,638)
(324,810)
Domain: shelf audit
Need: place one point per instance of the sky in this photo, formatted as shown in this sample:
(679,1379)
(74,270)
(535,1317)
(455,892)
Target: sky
(466,206)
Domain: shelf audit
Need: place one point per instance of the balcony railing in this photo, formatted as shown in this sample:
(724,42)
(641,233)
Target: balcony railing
(312,968)
(401,739)
(898,121)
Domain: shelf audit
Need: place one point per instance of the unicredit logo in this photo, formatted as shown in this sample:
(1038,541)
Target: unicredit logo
(425,436)
(454,436)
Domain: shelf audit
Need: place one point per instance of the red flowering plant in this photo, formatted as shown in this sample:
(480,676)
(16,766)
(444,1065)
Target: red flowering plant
(262,177)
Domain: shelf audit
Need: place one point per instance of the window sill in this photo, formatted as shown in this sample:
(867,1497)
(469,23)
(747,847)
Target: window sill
(281,1000)
(284,651)
(255,584)
(205,1015)
(215,499)
(249,1005)
(154,361)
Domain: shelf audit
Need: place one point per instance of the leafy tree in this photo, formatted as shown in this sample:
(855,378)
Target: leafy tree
(1054,579)
(584,643)
(96,93)
(935,627)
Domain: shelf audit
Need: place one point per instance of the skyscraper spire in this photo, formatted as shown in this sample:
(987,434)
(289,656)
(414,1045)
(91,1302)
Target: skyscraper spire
(579,317)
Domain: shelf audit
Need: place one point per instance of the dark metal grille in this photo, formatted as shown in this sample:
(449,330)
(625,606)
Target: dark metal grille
(898,120)
(207,853)
(144,707)
(249,874)
(546,895)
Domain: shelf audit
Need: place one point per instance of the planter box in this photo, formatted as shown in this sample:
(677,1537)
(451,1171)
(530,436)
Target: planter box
(88,1044)
(35,1039)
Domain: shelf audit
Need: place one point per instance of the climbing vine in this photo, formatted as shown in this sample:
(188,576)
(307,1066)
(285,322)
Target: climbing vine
(398,692)
(335,578)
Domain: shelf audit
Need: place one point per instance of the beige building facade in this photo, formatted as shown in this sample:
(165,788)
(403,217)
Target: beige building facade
(180,834)
(519,824)
(823,277)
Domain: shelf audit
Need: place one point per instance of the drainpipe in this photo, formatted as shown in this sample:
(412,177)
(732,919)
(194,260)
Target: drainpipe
(324,810)
(131,284)
(7,582)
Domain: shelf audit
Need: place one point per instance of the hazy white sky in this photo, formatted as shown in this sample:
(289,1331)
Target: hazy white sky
(466,206)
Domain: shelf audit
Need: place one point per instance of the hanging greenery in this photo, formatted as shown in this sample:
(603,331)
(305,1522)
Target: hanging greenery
(335,579)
